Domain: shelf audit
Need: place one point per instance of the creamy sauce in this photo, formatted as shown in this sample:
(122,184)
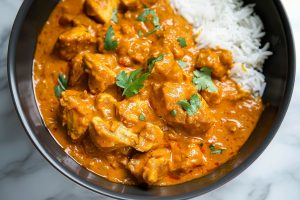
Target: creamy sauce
(182,149)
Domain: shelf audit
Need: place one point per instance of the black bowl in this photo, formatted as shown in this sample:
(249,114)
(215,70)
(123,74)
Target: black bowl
(279,71)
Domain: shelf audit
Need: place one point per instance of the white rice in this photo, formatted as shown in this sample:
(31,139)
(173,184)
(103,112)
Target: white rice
(228,24)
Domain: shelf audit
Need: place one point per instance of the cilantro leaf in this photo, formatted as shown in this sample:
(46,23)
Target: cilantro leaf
(155,20)
(195,101)
(62,81)
(132,82)
(213,150)
(182,64)
(62,85)
(151,61)
(142,117)
(142,17)
(173,113)
(109,43)
(185,105)
(182,42)
(58,90)
(114,16)
(202,79)
(192,106)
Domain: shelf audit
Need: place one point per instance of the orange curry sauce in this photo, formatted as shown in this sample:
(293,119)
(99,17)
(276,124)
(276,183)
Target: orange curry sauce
(146,137)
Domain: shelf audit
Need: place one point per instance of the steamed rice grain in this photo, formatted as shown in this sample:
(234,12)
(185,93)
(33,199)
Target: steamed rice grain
(230,25)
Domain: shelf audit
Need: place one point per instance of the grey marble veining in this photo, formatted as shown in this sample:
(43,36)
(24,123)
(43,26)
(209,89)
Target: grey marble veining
(25,175)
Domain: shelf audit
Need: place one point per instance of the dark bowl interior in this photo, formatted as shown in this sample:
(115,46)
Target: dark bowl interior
(279,71)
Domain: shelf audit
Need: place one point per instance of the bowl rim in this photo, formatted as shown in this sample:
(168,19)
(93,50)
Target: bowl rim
(11,65)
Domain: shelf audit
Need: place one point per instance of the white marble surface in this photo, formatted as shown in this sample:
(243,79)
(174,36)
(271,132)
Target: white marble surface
(25,175)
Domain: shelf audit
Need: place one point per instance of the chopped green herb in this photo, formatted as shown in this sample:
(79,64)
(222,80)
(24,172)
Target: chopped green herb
(147,11)
(142,117)
(151,61)
(131,82)
(62,85)
(182,64)
(109,43)
(155,20)
(152,31)
(192,106)
(62,81)
(182,42)
(58,90)
(114,16)
(213,150)
(202,79)
(173,113)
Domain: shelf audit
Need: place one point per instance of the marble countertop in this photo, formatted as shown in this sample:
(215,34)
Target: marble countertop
(26,175)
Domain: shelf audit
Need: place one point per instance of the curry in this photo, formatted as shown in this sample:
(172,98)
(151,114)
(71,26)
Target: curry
(124,89)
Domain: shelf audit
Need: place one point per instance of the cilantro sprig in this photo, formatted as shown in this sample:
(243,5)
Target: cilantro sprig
(62,85)
(151,61)
(154,19)
(182,42)
(109,43)
(202,79)
(192,106)
(132,82)
(214,150)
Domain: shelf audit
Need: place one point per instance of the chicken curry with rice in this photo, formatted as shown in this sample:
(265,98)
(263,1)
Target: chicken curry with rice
(126,92)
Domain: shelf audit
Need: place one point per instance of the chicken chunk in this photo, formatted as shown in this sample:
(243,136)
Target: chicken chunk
(227,89)
(99,67)
(148,2)
(130,3)
(113,135)
(170,94)
(101,10)
(168,69)
(219,60)
(130,109)
(83,20)
(106,106)
(77,20)
(213,98)
(119,158)
(134,49)
(77,73)
(149,138)
(66,19)
(185,156)
(174,31)
(78,109)
(109,135)
(230,90)
(151,166)
(135,4)
(73,41)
